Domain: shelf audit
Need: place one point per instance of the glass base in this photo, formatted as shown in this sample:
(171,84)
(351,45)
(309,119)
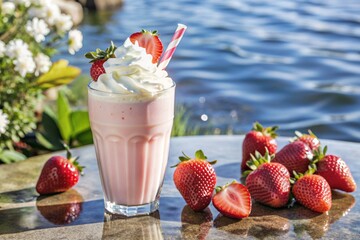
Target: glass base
(130,211)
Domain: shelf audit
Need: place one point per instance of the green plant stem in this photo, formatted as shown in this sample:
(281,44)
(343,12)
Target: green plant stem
(18,23)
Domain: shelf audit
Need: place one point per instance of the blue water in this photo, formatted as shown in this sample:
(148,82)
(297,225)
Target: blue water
(295,64)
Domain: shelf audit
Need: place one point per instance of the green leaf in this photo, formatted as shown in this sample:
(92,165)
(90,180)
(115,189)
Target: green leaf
(79,122)
(63,112)
(51,129)
(90,55)
(200,155)
(8,156)
(59,74)
(85,137)
(44,142)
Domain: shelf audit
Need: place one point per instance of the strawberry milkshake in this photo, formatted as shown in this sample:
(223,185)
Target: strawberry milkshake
(131,109)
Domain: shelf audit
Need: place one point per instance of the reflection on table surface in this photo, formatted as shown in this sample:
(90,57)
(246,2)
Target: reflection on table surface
(24,214)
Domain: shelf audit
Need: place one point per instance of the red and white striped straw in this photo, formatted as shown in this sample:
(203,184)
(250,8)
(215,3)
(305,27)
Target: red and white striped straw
(179,33)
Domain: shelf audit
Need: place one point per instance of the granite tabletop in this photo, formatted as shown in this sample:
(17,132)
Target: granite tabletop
(79,212)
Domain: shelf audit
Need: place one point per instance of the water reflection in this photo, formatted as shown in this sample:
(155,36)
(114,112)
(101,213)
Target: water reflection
(60,212)
(195,223)
(312,224)
(260,227)
(316,225)
(142,227)
(269,222)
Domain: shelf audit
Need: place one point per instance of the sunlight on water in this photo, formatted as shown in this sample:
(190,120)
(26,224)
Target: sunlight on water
(290,63)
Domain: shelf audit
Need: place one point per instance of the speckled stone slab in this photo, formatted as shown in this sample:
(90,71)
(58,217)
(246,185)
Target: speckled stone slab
(79,212)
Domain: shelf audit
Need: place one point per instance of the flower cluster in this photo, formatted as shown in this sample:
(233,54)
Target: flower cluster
(31,32)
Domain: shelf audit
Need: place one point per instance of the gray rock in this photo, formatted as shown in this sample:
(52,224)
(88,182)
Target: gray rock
(101,4)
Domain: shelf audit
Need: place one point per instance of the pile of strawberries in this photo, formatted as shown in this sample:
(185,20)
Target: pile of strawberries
(300,172)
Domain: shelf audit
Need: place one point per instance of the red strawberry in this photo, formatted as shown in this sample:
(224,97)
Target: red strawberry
(233,200)
(150,41)
(294,156)
(312,191)
(59,174)
(310,139)
(268,182)
(61,213)
(97,69)
(334,170)
(258,139)
(98,58)
(195,179)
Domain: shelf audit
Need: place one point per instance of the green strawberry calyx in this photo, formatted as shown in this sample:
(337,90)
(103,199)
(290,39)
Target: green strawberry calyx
(299,135)
(73,160)
(199,155)
(319,154)
(102,54)
(268,131)
(257,160)
(220,188)
(311,170)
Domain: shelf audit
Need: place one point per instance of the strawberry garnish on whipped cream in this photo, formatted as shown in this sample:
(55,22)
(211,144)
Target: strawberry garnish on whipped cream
(150,41)
(133,67)
(98,58)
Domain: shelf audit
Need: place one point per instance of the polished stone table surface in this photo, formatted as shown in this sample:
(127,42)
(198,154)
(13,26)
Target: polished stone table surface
(79,212)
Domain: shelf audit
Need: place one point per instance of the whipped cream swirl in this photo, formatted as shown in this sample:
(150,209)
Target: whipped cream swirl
(132,72)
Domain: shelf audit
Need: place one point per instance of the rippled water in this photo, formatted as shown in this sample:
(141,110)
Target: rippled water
(295,64)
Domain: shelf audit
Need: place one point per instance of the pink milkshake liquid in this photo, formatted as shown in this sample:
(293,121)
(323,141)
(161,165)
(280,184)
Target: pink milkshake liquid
(131,138)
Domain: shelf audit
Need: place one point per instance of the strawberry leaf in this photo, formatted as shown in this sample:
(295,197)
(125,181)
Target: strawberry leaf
(99,54)
(200,155)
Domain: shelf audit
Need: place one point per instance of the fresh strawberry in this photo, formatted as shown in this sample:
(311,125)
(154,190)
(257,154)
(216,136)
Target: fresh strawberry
(310,139)
(258,139)
(150,41)
(98,58)
(64,213)
(195,179)
(294,156)
(312,191)
(268,182)
(233,200)
(59,174)
(97,68)
(334,170)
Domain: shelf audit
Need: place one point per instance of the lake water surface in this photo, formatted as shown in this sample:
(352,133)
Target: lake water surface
(295,64)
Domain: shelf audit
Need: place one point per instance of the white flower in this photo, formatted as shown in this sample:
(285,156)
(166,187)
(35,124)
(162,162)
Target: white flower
(63,23)
(37,28)
(3,121)
(17,48)
(24,65)
(2,48)
(42,63)
(8,8)
(47,10)
(26,3)
(75,41)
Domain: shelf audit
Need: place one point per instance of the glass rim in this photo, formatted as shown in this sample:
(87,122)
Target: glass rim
(125,94)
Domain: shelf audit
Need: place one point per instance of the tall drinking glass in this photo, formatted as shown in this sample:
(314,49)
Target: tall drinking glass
(131,138)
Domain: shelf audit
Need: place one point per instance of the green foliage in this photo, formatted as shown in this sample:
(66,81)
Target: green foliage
(25,73)
(181,126)
(59,74)
(9,156)
(65,126)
